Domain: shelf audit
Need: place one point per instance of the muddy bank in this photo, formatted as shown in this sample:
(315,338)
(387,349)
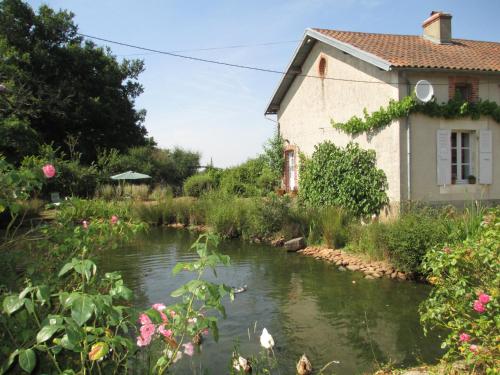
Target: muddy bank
(351,262)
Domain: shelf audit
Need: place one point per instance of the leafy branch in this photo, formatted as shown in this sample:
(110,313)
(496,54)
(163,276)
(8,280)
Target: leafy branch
(453,109)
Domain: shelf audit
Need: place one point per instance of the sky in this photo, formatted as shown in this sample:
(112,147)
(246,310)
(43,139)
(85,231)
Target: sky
(217,110)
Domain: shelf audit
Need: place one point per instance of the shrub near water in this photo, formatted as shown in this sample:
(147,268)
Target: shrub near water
(465,297)
(346,178)
(411,236)
(199,184)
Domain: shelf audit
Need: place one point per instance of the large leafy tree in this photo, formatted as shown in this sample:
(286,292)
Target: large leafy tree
(56,84)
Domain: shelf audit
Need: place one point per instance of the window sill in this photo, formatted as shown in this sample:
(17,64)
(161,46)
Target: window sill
(459,189)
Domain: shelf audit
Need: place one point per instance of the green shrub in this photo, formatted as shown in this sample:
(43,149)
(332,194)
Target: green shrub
(265,216)
(465,297)
(31,208)
(77,209)
(225,214)
(412,235)
(181,209)
(161,192)
(137,192)
(199,184)
(368,239)
(107,192)
(346,178)
(333,223)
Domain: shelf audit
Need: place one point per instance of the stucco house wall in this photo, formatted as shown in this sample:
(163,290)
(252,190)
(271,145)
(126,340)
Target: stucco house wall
(310,104)
(424,185)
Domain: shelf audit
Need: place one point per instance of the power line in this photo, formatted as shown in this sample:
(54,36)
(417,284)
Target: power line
(240,66)
(219,48)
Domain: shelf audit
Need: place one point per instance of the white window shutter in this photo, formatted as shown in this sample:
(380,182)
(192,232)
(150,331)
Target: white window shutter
(485,157)
(443,157)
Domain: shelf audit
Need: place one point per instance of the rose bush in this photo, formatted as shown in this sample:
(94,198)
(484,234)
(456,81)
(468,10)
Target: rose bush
(465,298)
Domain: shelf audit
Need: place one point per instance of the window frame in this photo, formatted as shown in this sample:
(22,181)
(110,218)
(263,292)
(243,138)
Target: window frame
(458,149)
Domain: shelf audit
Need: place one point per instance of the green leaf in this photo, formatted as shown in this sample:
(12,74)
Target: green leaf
(27,360)
(47,332)
(82,309)
(179,292)
(12,303)
(66,268)
(43,293)
(10,361)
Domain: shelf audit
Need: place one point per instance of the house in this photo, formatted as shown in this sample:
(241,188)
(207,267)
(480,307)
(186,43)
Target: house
(335,75)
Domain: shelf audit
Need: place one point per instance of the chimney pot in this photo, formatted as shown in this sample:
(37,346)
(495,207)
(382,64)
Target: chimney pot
(437,28)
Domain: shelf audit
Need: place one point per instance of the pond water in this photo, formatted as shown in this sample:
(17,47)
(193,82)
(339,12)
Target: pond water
(307,305)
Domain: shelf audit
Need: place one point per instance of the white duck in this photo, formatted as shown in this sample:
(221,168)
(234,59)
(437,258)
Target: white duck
(304,366)
(266,340)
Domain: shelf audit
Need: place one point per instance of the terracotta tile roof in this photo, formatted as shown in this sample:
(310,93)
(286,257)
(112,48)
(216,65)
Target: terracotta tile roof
(412,51)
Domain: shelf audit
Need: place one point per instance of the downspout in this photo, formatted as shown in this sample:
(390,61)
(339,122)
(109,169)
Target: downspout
(408,145)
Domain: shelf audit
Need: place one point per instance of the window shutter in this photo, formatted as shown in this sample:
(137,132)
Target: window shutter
(443,157)
(485,157)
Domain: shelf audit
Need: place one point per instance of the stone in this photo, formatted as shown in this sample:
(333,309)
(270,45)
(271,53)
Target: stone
(343,269)
(295,244)
(369,277)
(353,267)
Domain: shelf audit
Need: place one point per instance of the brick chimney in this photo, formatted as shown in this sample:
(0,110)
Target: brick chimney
(437,28)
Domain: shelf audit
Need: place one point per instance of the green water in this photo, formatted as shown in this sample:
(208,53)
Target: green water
(307,305)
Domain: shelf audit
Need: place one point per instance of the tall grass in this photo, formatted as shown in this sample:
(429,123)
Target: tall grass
(333,222)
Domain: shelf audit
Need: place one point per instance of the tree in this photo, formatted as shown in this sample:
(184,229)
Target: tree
(59,85)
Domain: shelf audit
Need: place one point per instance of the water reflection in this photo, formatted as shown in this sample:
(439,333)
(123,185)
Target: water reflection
(307,305)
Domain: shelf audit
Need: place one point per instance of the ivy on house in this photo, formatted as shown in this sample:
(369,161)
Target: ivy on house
(453,109)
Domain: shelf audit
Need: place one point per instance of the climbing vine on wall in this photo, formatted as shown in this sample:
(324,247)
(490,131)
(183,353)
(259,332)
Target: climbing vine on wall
(454,108)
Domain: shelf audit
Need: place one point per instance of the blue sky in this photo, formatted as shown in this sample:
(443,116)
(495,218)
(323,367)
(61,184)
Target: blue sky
(219,110)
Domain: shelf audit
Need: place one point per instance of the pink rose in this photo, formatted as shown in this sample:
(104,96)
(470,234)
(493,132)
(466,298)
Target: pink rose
(85,224)
(147,330)
(474,348)
(484,298)
(48,170)
(114,219)
(144,319)
(479,307)
(188,349)
(172,313)
(464,337)
(143,341)
(159,306)
(165,332)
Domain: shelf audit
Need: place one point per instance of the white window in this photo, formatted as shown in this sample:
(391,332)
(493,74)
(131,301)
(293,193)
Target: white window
(291,168)
(462,157)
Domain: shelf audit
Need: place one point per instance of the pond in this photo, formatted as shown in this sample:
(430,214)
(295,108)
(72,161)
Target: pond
(306,304)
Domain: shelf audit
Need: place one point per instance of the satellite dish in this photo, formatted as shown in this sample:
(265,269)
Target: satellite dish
(424,90)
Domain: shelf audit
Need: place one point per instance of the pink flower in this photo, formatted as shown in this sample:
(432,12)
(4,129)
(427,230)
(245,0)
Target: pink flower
(143,341)
(178,356)
(205,332)
(144,319)
(479,307)
(85,224)
(165,332)
(48,170)
(188,349)
(192,320)
(464,337)
(474,348)
(147,330)
(159,306)
(172,313)
(447,250)
(484,298)
(114,219)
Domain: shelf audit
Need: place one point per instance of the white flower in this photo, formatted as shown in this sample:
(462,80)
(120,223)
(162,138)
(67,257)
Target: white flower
(266,340)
